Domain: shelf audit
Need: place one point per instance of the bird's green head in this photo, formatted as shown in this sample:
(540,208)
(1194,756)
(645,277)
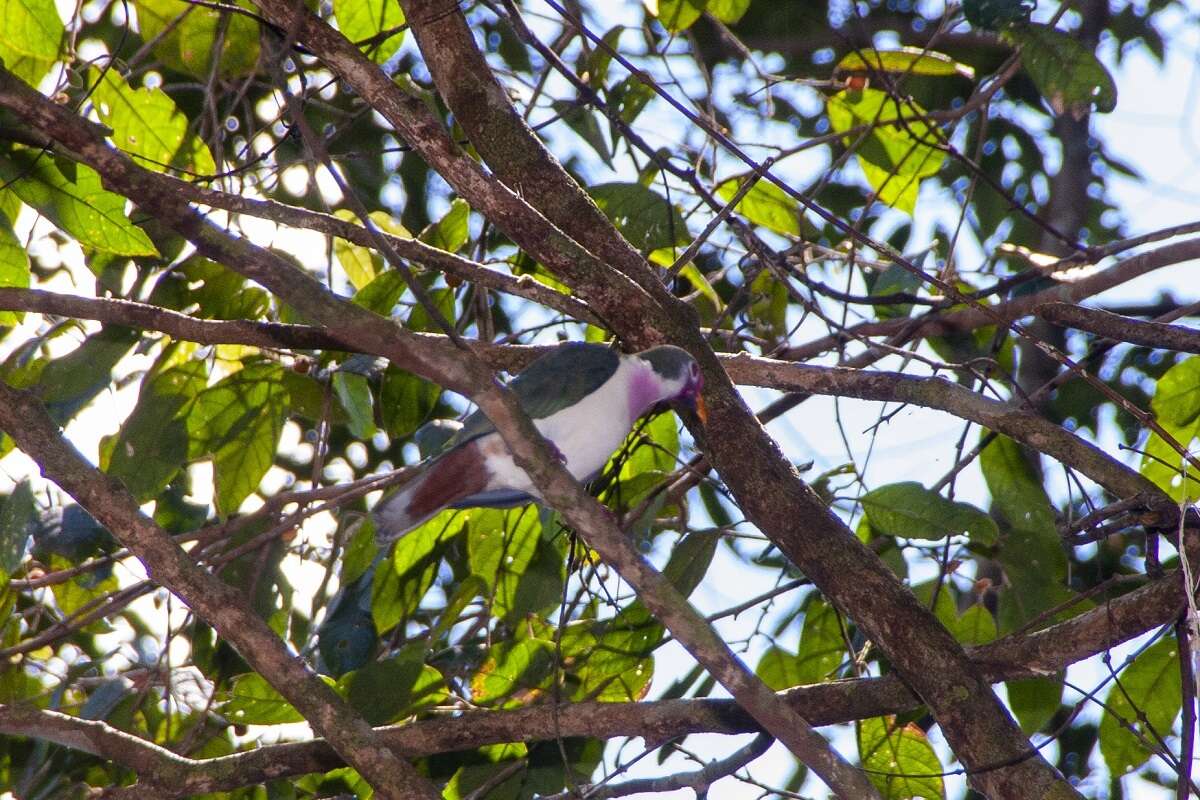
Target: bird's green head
(680,375)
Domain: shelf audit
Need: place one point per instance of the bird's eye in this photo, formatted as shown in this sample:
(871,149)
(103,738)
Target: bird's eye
(695,369)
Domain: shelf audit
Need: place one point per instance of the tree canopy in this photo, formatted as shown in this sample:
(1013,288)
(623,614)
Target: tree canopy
(254,253)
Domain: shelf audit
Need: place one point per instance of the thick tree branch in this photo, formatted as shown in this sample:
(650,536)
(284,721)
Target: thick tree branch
(507,143)
(1040,653)
(1022,425)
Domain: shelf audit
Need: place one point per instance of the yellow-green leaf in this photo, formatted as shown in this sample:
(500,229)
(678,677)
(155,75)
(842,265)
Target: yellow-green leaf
(14,268)
(897,152)
(1149,699)
(30,37)
(765,204)
(81,207)
(899,760)
(676,15)
(911,60)
(185,35)
(147,124)
(364,21)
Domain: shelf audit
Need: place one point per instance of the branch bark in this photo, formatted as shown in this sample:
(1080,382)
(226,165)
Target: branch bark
(1121,328)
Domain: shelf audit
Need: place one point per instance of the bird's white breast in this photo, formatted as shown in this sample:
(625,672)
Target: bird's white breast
(586,433)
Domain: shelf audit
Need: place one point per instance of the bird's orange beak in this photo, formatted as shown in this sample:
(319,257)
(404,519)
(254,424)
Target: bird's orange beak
(701,409)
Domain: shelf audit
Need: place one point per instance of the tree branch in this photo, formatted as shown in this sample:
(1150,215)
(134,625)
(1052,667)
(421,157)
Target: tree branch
(1122,329)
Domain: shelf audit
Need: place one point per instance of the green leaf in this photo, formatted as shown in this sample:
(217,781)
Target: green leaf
(16,518)
(382,294)
(467,590)
(419,319)
(908,60)
(72,595)
(184,37)
(81,207)
(70,382)
(360,263)
(384,691)
(452,232)
(995,14)
(354,393)
(253,701)
(1017,492)
(894,156)
(406,402)
(779,669)
(1066,72)
(500,547)
(620,666)
(402,581)
(974,626)
(14,268)
(517,671)
(30,38)
(676,15)
(890,754)
(1176,400)
(152,445)
(728,11)
(822,644)
(1163,464)
(768,307)
(539,587)
(585,122)
(690,560)
(359,20)
(238,422)
(206,289)
(1034,701)
(1035,563)
(692,274)
(895,279)
(656,446)
(1150,687)
(147,124)
(629,98)
(822,650)
(910,510)
(765,204)
(600,58)
(1176,405)
(642,215)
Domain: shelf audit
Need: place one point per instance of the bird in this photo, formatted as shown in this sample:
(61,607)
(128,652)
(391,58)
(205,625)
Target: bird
(583,397)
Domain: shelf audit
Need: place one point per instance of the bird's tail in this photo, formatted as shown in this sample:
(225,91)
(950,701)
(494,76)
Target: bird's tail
(452,476)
